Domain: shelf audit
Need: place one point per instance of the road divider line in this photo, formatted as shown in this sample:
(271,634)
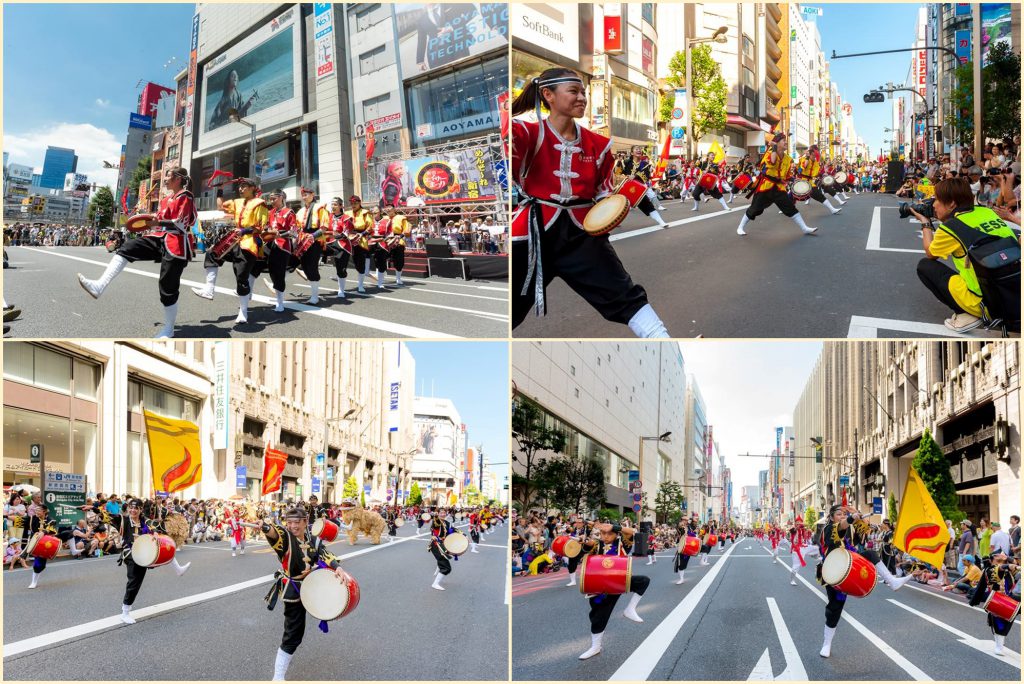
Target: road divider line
(640,664)
(794,665)
(875,235)
(868,327)
(637,232)
(984,645)
(913,670)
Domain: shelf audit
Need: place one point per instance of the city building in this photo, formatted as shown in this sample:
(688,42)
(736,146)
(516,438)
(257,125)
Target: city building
(149,99)
(81,404)
(137,146)
(58,162)
(697,475)
(615,402)
(871,402)
(18,180)
(441,454)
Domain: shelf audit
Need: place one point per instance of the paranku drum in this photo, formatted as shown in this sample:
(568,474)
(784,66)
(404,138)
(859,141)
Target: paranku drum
(565,545)
(325,596)
(425,517)
(712,539)
(1002,606)
(456,543)
(606,215)
(842,178)
(153,550)
(741,181)
(690,546)
(828,181)
(850,573)
(303,243)
(325,528)
(224,242)
(399,521)
(801,190)
(708,181)
(42,545)
(139,222)
(606,574)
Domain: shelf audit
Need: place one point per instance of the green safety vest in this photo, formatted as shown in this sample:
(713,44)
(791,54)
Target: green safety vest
(964,226)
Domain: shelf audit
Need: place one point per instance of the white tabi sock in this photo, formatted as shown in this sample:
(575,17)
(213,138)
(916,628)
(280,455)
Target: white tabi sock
(243,309)
(630,612)
(380,280)
(595,646)
(826,646)
(211,283)
(126,616)
(657,217)
(696,206)
(680,580)
(807,230)
(96,287)
(359,282)
(280,301)
(721,200)
(828,205)
(314,289)
(35,579)
(645,323)
(170,314)
(281,665)
(398,278)
(743,222)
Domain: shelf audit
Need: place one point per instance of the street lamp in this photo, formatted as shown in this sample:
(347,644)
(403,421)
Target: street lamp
(717,37)
(349,415)
(235,117)
(665,437)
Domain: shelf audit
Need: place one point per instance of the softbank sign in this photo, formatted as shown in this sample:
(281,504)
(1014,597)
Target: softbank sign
(552,27)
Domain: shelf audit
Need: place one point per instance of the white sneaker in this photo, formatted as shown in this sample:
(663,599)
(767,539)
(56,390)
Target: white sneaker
(962,322)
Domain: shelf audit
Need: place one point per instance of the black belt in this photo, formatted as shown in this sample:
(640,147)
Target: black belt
(535,266)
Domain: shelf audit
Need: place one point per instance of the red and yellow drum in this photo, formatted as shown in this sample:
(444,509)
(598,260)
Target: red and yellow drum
(633,191)
(850,573)
(325,528)
(1002,606)
(712,539)
(326,597)
(42,545)
(741,181)
(690,546)
(153,550)
(708,181)
(606,574)
(565,545)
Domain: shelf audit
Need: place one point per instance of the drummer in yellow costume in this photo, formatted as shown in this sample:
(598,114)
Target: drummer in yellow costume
(250,214)
(316,219)
(362,226)
(809,169)
(771,189)
(400,230)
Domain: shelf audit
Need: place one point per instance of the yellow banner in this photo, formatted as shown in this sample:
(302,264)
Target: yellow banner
(174,452)
(920,529)
(719,152)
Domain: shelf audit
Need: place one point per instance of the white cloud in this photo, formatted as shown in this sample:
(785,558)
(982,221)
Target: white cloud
(100,102)
(93,145)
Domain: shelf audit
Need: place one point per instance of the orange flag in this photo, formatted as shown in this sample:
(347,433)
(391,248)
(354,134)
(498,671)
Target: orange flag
(273,467)
(920,528)
(174,452)
(659,169)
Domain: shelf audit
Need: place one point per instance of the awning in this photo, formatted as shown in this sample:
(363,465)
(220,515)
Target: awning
(736,120)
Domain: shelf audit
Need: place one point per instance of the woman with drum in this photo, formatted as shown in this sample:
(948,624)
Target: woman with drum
(637,167)
(363,224)
(997,580)
(43,542)
(616,576)
(809,170)
(709,182)
(844,535)
(561,170)
(167,240)
(281,247)
(689,545)
(439,533)
(770,187)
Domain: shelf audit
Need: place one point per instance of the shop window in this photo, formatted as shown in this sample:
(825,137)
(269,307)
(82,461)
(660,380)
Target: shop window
(83,454)
(18,362)
(748,47)
(22,429)
(87,380)
(376,107)
(458,103)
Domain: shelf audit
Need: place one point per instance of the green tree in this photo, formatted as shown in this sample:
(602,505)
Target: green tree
(415,495)
(473,496)
(101,207)
(709,91)
(810,517)
(933,467)
(362,498)
(1000,92)
(141,173)
(668,502)
(351,488)
(893,512)
(532,436)
(613,515)
(573,482)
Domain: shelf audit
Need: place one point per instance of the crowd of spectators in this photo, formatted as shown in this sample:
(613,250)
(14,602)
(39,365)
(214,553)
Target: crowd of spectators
(54,235)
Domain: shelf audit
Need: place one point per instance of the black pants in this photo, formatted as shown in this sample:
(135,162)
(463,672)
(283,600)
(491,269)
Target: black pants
(310,262)
(443,564)
(359,257)
(999,625)
(136,573)
(763,200)
(294,626)
(340,257)
(935,275)
(830,189)
(575,563)
(601,606)
(475,536)
(680,561)
(38,564)
(380,258)
(277,264)
(817,194)
(699,190)
(149,248)
(392,530)
(588,265)
(244,264)
(398,257)
(834,607)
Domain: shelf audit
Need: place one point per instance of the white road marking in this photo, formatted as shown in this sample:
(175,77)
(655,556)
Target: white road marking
(794,665)
(398,288)
(984,645)
(868,327)
(671,224)
(914,671)
(354,319)
(875,236)
(640,664)
(762,672)
(948,598)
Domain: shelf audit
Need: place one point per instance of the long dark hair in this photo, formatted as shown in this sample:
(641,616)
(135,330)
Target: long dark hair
(182,173)
(527,99)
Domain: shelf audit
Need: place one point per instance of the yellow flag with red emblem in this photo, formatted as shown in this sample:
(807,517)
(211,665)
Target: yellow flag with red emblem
(716,147)
(174,452)
(920,529)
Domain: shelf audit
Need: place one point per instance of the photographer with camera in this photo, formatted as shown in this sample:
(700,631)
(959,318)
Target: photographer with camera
(962,226)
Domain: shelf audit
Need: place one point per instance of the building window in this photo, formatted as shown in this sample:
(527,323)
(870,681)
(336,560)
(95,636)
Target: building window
(365,18)
(159,400)
(572,370)
(373,60)
(630,102)
(458,103)
(748,78)
(647,12)
(748,47)
(376,107)
(577,390)
(172,152)
(37,366)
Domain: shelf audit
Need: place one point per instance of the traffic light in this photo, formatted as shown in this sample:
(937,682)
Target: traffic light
(874,96)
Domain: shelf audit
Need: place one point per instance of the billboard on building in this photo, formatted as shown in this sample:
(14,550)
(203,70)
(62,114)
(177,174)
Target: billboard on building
(75,182)
(323,26)
(995,27)
(19,172)
(150,97)
(431,36)
(435,438)
(553,27)
(272,162)
(258,77)
(462,175)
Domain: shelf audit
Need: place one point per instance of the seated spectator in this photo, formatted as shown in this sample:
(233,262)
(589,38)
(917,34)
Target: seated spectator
(81,539)
(967,583)
(14,554)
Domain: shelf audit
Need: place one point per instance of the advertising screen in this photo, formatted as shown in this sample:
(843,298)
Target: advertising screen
(431,36)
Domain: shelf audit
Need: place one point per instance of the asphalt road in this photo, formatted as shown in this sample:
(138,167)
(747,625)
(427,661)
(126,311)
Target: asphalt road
(212,623)
(42,282)
(740,619)
(855,278)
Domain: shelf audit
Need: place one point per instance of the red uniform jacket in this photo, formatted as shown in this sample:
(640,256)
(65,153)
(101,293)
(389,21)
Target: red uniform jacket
(283,221)
(180,209)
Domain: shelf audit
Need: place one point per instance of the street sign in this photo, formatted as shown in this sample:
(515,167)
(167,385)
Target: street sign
(64,495)
(35,452)
(320,460)
(876,505)
(240,477)
(677,133)
(844,480)
(633,476)
(366,488)
(330,474)
(316,485)
(637,497)
(636,508)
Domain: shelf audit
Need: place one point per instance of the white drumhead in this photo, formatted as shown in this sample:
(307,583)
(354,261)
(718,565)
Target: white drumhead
(32,541)
(145,550)
(456,543)
(605,213)
(828,180)
(324,595)
(801,187)
(836,566)
(399,522)
(318,527)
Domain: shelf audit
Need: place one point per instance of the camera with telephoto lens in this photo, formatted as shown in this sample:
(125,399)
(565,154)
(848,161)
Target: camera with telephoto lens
(923,208)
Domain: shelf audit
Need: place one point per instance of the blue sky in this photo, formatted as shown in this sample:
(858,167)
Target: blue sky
(474,375)
(70,74)
(749,389)
(864,27)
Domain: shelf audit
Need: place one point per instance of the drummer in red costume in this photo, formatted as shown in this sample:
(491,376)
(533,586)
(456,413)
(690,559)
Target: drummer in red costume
(996,582)
(771,187)
(339,247)
(602,605)
(38,524)
(686,547)
(300,553)
(236,530)
(281,246)
(562,169)
(711,167)
(846,528)
(799,543)
(168,241)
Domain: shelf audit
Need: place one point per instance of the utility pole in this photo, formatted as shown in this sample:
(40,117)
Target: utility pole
(976,96)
